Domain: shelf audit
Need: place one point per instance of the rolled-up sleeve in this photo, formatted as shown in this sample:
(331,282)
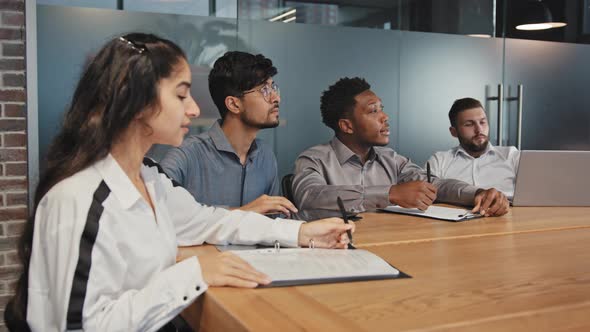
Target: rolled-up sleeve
(312,191)
(449,190)
(328,171)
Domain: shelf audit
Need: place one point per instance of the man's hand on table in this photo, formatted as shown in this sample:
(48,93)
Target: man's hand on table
(490,202)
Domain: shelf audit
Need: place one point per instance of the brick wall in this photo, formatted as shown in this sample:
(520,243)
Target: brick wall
(13,143)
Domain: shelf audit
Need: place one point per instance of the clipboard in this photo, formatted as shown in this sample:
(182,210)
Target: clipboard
(309,266)
(435,212)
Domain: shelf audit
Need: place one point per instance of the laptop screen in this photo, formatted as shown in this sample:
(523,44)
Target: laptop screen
(553,178)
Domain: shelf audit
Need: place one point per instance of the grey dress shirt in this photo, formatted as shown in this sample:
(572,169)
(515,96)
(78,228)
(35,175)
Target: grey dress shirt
(209,168)
(326,171)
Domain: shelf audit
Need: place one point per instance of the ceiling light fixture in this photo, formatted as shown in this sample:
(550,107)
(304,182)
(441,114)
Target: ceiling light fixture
(480,35)
(538,17)
(285,14)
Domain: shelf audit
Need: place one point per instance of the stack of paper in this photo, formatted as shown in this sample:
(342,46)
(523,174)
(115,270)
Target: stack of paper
(436,212)
(288,267)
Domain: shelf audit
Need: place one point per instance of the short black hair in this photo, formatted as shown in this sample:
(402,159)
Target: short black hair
(236,72)
(338,100)
(461,105)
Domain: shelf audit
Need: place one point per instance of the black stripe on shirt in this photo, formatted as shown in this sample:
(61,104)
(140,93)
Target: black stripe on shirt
(150,163)
(177,324)
(80,282)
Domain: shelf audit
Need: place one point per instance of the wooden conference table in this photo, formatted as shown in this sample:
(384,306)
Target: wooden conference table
(526,271)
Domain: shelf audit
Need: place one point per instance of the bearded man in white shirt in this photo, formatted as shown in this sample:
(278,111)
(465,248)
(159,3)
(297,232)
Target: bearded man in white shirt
(475,161)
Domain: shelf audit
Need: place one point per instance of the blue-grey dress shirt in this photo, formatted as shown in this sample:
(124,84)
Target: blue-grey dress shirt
(209,168)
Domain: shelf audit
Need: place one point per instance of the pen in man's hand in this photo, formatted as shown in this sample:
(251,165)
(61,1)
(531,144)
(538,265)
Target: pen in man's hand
(345,217)
(428,172)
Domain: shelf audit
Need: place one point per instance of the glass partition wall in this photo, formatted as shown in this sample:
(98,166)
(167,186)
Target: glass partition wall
(418,55)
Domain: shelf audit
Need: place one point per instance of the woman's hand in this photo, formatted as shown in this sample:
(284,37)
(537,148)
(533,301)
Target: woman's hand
(325,233)
(227,269)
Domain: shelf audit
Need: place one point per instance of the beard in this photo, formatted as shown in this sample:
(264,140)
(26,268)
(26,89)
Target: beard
(267,123)
(470,146)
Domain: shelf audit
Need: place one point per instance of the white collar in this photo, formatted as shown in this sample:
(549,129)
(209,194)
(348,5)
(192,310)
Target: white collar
(490,149)
(118,181)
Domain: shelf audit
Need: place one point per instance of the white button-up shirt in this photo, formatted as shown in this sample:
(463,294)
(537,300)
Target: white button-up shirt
(495,168)
(102,261)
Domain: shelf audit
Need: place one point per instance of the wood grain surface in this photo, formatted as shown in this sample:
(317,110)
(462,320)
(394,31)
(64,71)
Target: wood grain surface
(527,271)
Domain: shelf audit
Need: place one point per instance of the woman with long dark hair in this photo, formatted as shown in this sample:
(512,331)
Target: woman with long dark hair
(99,252)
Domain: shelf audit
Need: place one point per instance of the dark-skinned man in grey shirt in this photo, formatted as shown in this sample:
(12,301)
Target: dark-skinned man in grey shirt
(358,166)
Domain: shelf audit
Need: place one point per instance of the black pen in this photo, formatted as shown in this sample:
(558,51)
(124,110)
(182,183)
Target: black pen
(345,218)
(428,172)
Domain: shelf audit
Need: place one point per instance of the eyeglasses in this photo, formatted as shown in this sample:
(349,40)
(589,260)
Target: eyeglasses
(266,91)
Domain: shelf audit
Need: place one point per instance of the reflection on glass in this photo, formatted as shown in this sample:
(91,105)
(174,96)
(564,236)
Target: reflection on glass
(110,4)
(186,7)
(570,20)
(368,14)
(259,9)
(474,18)
(62,51)
(225,8)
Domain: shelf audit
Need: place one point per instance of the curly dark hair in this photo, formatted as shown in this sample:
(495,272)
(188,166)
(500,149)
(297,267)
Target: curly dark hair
(338,100)
(461,105)
(236,72)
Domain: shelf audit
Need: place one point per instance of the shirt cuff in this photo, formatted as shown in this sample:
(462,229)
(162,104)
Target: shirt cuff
(188,281)
(377,196)
(286,231)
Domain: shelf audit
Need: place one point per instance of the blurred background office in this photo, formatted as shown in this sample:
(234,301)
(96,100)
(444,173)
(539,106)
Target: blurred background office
(419,55)
(526,60)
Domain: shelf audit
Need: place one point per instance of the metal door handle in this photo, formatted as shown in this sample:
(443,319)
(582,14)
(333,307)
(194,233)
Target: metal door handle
(500,99)
(518,99)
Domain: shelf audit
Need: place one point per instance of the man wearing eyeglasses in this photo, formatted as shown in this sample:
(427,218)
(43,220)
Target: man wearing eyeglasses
(227,165)
(357,166)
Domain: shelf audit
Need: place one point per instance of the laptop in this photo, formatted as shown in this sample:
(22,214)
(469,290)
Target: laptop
(553,178)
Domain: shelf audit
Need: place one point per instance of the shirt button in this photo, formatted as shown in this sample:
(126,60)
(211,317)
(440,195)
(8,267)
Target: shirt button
(198,288)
